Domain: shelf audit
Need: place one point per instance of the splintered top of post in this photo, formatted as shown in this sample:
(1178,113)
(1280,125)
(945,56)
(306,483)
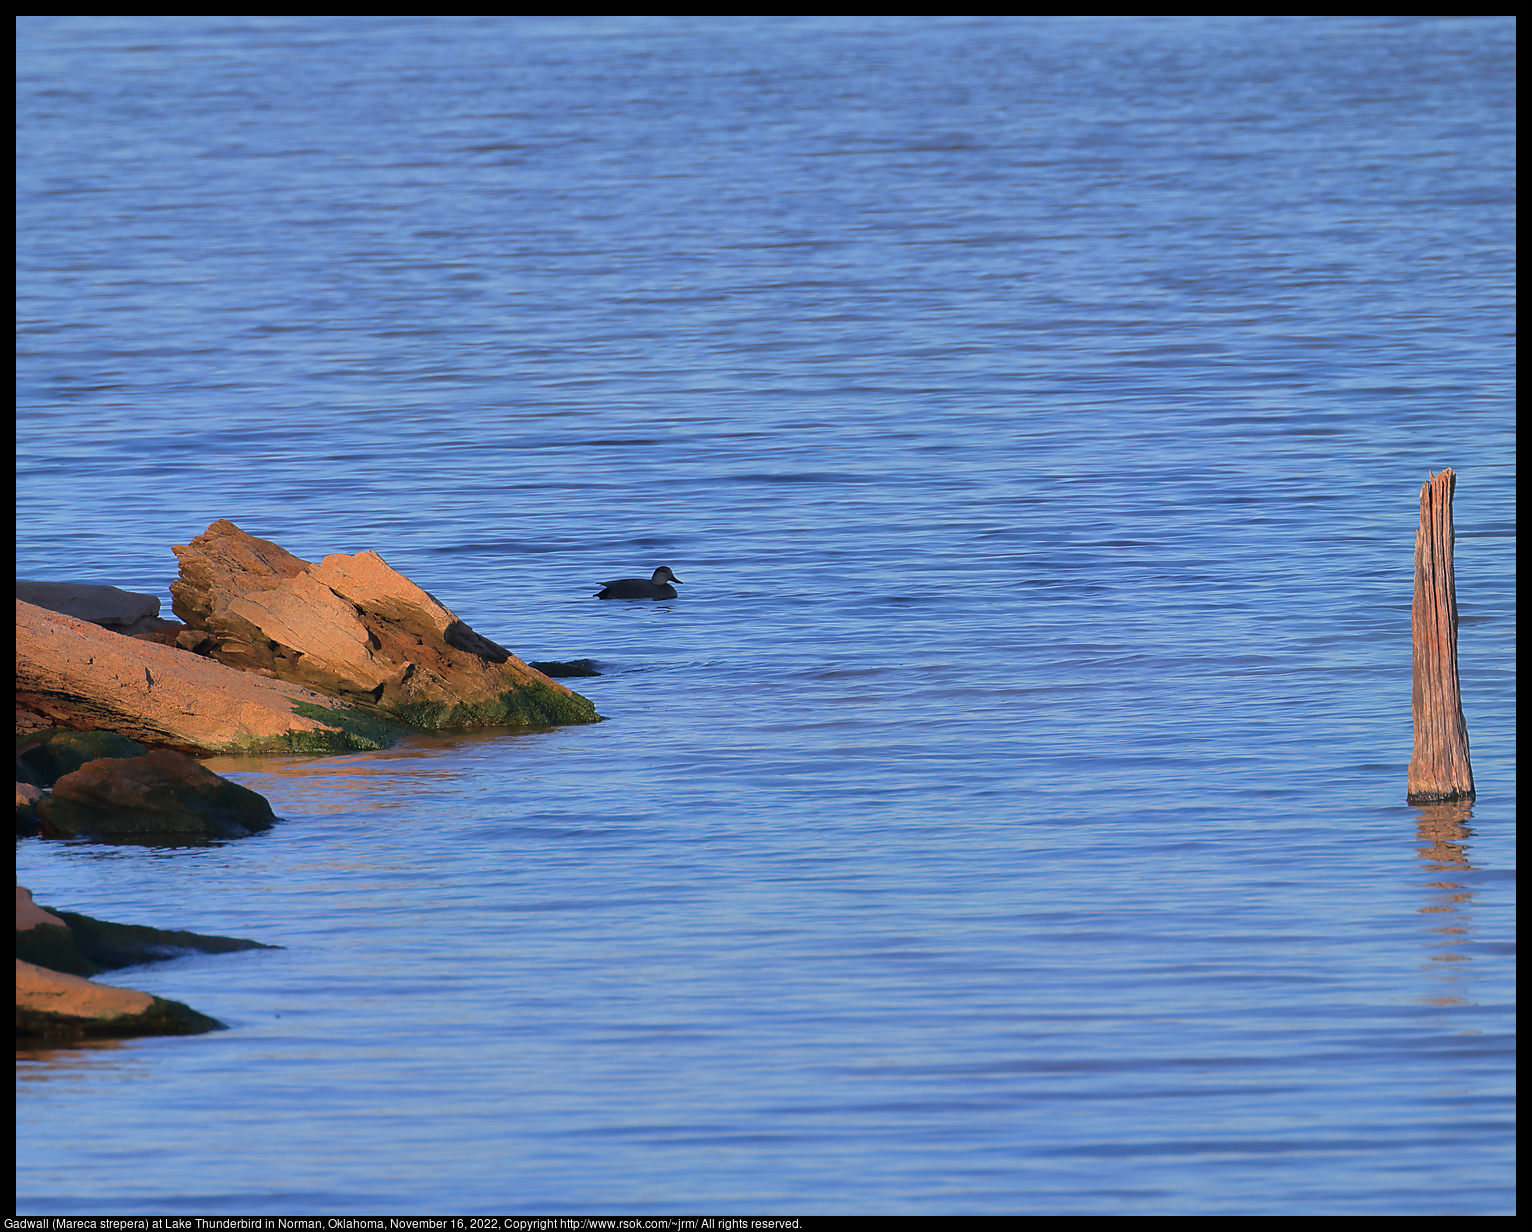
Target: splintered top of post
(1444,480)
(1436,508)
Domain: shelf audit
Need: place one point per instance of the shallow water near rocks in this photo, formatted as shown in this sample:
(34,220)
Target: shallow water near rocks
(1008,816)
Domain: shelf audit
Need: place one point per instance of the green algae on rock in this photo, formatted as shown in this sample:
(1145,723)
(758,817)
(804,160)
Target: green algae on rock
(532,706)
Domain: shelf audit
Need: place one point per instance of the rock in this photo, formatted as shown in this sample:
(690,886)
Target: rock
(45,757)
(575,667)
(100,605)
(83,677)
(45,940)
(28,721)
(52,1005)
(30,915)
(54,954)
(353,628)
(79,945)
(28,823)
(164,635)
(196,641)
(148,625)
(174,633)
(159,794)
(133,945)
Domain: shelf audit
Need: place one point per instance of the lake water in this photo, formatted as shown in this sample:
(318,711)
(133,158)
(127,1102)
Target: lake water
(1009,815)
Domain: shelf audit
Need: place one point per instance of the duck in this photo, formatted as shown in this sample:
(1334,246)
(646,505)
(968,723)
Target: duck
(657,587)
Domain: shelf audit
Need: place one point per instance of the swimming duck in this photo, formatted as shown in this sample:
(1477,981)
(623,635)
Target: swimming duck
(639,588)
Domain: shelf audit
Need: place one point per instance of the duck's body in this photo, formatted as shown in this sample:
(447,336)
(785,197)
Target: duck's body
(657,587)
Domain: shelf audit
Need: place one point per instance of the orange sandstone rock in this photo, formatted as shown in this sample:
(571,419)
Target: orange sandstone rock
(52,1005)
(37,988)
(30,915)
(84,677)
(356,629)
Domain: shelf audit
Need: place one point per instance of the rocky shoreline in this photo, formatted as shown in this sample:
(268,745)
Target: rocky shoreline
(57,952)
(271,654)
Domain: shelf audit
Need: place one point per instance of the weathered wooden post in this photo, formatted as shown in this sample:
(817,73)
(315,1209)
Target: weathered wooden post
(1439,769)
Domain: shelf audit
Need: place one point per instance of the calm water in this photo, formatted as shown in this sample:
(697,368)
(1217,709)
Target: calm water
(1009,816)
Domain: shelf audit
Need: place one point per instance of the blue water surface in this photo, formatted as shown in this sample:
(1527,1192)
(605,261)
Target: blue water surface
(1008,816)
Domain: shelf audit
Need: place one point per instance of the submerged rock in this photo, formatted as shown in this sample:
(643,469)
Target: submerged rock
(353,628)
(574,667)
(160,793)
(79,945)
